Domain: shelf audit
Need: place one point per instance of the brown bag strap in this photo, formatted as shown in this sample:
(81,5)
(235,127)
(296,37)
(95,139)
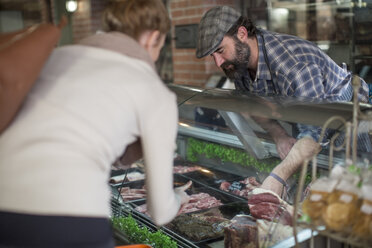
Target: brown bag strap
(22,56)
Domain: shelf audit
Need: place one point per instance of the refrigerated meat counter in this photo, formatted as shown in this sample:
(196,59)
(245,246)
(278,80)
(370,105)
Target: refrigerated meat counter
(226,117)
(219,136)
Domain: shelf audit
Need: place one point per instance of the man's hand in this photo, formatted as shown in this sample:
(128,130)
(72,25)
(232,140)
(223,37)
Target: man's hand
(282,140)
(284,144)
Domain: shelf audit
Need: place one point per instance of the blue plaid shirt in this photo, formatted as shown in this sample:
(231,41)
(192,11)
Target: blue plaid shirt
(299,69)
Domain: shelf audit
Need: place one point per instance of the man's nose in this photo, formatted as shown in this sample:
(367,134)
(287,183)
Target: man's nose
(218,59)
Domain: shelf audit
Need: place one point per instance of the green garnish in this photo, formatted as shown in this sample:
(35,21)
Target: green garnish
(305,218)
(225,154)
(210,150)
(354,169)
(142,235)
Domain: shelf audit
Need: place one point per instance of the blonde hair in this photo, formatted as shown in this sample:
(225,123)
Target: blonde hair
(133,17)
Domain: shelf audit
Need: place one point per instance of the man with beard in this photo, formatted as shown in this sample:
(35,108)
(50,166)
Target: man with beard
(268,63)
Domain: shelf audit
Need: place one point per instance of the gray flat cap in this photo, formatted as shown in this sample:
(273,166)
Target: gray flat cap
(212,28)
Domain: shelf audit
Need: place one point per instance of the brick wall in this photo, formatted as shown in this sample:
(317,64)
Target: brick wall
(97,7)
(81,21)
(187,69)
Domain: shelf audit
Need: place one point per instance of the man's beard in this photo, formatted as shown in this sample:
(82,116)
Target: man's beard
(235,69)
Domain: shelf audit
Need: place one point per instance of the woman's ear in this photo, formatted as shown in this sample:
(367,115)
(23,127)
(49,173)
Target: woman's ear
(149,39)
(152,41)
(154,38)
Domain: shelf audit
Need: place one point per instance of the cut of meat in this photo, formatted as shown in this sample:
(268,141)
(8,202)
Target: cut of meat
(241,233)
(225,186)
(265,204)
(241,188)
(129,194)
(271,211)
(263,197)
(180,169)
(199,226)
(197,202)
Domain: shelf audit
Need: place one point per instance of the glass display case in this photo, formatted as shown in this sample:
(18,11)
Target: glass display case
(217,129)
(227,117)
(223,149)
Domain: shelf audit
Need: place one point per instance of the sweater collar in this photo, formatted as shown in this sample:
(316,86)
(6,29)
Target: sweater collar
(118,42)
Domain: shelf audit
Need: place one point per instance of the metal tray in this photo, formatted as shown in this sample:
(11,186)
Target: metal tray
(197,188)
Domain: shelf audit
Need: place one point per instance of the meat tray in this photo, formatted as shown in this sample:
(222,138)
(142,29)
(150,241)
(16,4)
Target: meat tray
(139,185)
(196,188)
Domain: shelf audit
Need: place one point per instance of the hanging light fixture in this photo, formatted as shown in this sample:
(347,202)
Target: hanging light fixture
(71,5)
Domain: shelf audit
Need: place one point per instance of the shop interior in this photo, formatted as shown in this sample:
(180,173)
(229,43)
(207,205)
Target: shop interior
(225,144)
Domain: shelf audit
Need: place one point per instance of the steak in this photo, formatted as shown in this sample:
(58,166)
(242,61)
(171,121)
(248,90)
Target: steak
(263,197)
(242,232)
(271,211)
(265,204)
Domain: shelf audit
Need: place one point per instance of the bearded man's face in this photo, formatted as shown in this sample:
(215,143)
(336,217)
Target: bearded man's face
(236,68)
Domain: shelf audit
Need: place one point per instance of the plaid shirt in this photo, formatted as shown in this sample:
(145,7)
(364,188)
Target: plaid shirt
(299,69)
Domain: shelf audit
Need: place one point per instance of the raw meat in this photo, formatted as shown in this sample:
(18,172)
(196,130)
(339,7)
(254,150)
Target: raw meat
(132,176)
(199,226)
(263,197)
(241,233)
(240,188)
(271,211)
(265,204)
(129,194)
(180,169)
(197,202)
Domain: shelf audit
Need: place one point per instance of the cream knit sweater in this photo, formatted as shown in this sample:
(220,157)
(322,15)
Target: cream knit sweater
(90,101)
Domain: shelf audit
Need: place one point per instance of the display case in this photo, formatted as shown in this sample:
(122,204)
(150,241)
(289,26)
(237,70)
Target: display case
(227,117)
(220,140)
(215,122)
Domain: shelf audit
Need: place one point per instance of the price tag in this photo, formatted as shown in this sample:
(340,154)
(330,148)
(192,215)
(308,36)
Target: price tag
(237,186)
(346,198)
(366,208)
(315,197)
